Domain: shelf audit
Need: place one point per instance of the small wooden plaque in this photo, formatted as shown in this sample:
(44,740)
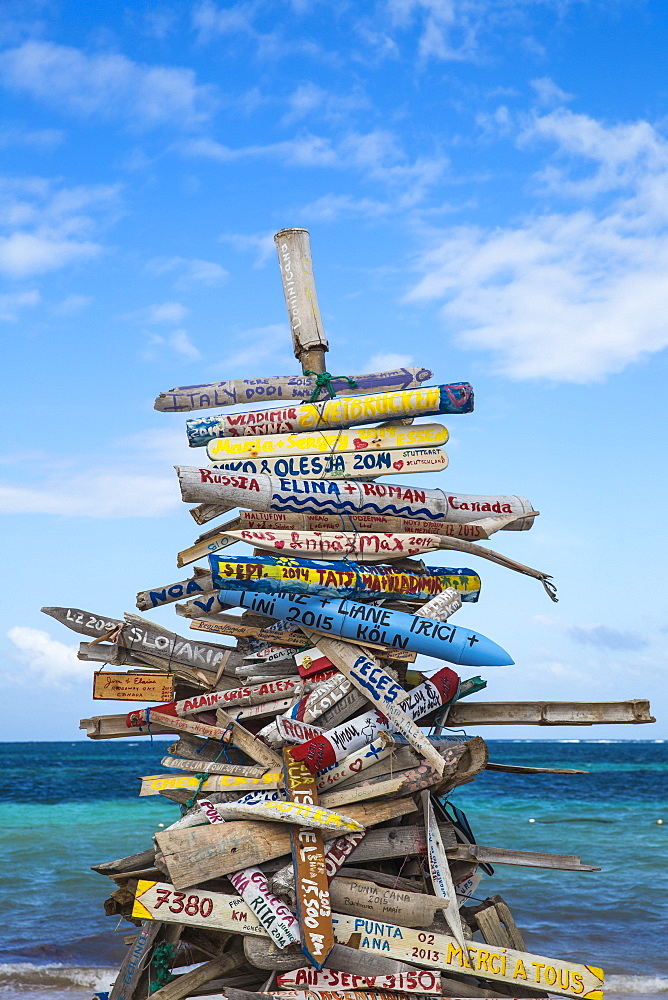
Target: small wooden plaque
(110,686)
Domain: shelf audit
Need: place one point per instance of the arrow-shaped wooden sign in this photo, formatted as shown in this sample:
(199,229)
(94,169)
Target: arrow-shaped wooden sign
(339,412)
(325,496)
(365,622)
(347,465)
(284,388)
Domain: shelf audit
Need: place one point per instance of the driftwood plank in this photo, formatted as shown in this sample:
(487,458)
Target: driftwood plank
(549,713)
(309,340)
(361,440)
(352,465)
(135,962)
(283,388)
(525,859)
(397,842)
(134,862)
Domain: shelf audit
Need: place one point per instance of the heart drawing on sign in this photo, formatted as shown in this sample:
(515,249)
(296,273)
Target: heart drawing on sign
(398,466)
(358,443)
(356,762)
(279,545)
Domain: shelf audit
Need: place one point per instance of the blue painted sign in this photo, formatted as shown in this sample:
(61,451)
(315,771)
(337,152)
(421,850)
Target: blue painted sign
(367,623)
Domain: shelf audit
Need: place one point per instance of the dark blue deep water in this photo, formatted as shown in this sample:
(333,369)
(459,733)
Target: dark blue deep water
(66,806)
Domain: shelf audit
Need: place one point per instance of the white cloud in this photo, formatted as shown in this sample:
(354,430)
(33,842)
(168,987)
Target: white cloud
(12,303)
(48,661)
(262,244)
(387,361)
(42,140)
(164,312)
(71,305)
(47,226)
(569,295)
(309,101)
(191,272)
(94,493)
(110,85)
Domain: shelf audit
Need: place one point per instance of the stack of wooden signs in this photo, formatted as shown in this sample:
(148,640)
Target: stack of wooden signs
(317,854)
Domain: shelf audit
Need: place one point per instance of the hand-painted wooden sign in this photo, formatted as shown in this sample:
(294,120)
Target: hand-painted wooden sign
(271,574)
(213,767)
(153,784)
(349,465)
(440,951)
(261,807)
(378,686)
(439,869)
(352,765)
(443,606)
(293,731)
(340,412)
(387,437)
(256,695)
(332,746)
(283,388)
(145,637)
(314,910)
(274,521)
(251,884)
(417,981)
(362,898)
(311,662)
(325,496)
(362,622)
(112,686)
(197,907)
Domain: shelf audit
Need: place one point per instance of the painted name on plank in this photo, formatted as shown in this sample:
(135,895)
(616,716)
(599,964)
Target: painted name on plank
(111,686)
(354,465)
(318,442)
(231,392)
(339,412)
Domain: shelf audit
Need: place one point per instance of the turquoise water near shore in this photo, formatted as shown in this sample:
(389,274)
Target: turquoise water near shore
(66,806)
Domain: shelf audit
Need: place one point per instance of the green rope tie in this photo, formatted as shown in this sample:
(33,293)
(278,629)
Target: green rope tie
(161,965)
(323,380)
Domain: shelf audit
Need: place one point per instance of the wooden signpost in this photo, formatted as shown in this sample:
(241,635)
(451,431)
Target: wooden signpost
(386,437)
(111,686)
(335,465)
(332,496)
(284,388)
(332,413)
(314,908)
(295,749)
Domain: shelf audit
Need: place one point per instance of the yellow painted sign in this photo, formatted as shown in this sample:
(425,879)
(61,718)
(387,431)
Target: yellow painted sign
(111,686)
(325,442)
(155,783)
(197,907)
(440,951)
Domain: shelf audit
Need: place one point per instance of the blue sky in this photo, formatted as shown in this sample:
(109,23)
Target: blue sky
(486,186)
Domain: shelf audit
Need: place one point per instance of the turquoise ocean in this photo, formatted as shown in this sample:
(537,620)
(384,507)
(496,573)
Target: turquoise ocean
(66,806)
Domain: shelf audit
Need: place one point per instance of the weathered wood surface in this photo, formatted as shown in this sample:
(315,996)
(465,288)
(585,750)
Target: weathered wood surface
(219,538)
(496,923)
(184,985)
(329,414)
(325,496)
(291,638)
(233,697)
(314,817)
(195,749)
(309,340)
(154,783)
(348,465)
(362,623)
(351,766)
(113,727)
(138,635)
(335,744)
(199,908)
(361,898)
(337,853)
(109,685)
(524,859)
(271,573)
(283,388)
(213,767)
(131,863)
(314,908)
(417,981)
(440,951)
(380,689)
(549,713)
(524,769)
(439,870)
(250,745)
(374,548)
(386,437)
(135,962)
(397,842)
(174,724)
